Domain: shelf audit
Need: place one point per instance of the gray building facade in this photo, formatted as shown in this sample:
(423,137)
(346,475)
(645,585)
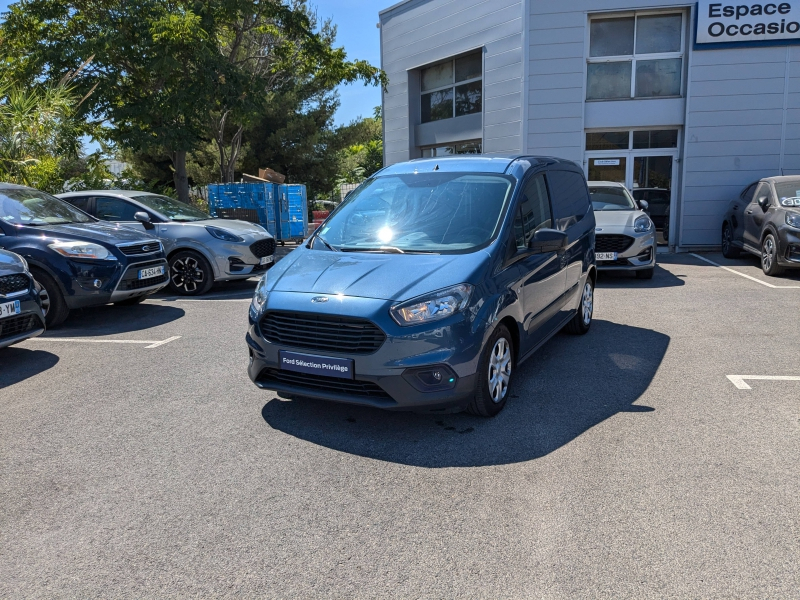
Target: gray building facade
(685,103)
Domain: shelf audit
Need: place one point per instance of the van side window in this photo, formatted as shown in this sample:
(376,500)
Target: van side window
(535,205)
(519,232)
(570,197)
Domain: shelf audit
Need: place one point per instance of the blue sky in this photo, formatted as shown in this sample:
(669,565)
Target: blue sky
(357,33)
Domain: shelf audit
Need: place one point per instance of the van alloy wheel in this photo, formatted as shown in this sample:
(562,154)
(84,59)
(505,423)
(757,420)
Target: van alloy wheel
(187,274)
(587,303)
(499,370)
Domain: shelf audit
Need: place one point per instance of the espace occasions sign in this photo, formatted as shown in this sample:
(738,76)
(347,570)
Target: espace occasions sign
(724,22)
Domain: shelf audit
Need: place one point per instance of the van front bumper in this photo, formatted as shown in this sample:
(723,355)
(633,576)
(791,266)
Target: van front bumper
(391,377)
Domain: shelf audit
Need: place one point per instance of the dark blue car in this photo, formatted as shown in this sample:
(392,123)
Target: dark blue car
(21,315)
(76,260)
(428,286)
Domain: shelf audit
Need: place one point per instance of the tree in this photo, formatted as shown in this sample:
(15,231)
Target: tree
(172,75)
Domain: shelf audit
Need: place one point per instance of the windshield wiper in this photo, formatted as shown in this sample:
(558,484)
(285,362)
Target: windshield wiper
(325,242)
(384,249)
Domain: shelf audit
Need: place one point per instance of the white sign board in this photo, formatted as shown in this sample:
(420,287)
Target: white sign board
(606,162)
(740,22)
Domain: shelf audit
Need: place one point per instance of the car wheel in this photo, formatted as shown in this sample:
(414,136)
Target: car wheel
(769,256)
(190,274)
(53,303)
(494,375)
(582,320)
(131,301)
(728,249)
(645,273)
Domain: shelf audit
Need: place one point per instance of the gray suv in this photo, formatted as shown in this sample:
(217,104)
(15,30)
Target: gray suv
(200,248)
(765,220)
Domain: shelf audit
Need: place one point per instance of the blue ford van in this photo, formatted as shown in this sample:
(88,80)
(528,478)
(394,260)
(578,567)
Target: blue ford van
(429,285)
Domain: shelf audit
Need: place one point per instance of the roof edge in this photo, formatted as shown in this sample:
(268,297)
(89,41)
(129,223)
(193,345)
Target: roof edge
(394,7)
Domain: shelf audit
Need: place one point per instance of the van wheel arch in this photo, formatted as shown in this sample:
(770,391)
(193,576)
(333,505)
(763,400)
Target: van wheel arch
(513,328)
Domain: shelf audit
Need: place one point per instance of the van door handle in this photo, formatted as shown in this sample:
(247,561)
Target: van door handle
(749,212)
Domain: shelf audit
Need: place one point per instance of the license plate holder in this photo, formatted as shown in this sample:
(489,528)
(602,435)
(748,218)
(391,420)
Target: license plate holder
(9,309)
(151,272)
(605,256)
(311,364)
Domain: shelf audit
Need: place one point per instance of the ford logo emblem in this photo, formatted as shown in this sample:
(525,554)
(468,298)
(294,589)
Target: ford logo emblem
(598,229)
(319,299)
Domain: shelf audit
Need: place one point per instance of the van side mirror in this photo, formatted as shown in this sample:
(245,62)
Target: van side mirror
(144,219)
(644,205)
(548,240)
(763,202)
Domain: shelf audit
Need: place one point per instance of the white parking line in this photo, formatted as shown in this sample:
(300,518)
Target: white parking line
(769,285)
(168,300)
(150,343)
(739,380)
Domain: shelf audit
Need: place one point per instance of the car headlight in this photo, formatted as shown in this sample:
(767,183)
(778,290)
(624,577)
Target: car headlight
(221,234)
(432,307)
(793,219)
(642,224)
(82,250)
(260,296)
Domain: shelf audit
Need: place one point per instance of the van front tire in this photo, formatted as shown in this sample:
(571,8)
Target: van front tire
(495,371)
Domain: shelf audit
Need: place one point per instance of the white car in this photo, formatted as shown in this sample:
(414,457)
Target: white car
(625,237)
(200,248)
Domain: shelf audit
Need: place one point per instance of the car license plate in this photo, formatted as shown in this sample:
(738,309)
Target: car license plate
(317,365)
(151,272)
(605,256)
(265,260)
(10,308)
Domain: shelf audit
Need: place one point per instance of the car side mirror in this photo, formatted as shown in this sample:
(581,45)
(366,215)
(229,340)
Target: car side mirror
(644,205)
(548,240)
(763,202)
(144,219)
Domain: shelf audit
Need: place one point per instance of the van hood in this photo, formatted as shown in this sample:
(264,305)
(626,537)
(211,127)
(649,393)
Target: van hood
(103,233)
(393,277)
(617,219)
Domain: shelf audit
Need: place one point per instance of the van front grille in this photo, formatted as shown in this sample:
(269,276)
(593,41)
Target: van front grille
(322,332)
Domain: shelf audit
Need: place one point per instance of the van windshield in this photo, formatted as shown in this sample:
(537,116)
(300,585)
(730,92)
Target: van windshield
(426,212)
(610,198)
(23,206)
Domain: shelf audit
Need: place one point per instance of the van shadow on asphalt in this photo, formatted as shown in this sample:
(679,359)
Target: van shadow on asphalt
(19,364)
(568,387)
(111,320)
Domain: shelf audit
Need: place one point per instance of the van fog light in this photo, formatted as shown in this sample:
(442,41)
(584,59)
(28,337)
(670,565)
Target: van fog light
(97,283)
(431,379)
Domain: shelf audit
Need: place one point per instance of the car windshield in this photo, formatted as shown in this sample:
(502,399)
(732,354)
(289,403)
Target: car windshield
(610,198)
(430,212)
(22,206)
(172,209)
(788,190)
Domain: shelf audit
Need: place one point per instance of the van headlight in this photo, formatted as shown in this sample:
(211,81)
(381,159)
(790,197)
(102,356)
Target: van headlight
(642,224)
(793,220)
(85,250)
(432,307)
(260,296)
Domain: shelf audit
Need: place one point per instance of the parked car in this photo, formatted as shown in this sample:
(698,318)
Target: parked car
(626,236)
(21,315)
(765,220)
(429,285)
(77,261)
(200,248)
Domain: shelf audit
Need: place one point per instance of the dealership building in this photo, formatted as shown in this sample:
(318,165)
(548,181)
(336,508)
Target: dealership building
(685,103)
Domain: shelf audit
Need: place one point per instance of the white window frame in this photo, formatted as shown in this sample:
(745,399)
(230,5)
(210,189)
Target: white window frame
(633,58)
(451,145)
(449,86)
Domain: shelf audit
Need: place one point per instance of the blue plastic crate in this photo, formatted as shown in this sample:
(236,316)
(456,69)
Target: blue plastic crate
(254,202)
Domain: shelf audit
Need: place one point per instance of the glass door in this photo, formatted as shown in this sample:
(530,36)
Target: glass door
(608,168)
(652,181)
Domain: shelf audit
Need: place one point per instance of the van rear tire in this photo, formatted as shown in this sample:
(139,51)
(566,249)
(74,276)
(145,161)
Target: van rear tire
(582,321)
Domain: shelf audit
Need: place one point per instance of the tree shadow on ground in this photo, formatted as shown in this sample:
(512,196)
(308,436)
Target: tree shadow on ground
(18,364)
(110,319)
(569,386)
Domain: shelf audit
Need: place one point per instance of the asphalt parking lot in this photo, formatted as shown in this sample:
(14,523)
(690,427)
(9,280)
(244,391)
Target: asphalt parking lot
(137,459)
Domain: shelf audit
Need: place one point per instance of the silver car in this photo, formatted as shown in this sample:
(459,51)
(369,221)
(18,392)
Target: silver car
(625,238)
(200,248)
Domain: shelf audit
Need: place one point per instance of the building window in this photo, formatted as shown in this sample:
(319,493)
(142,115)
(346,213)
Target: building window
(635,140)
(471,147)
(452,89)
(635,56)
